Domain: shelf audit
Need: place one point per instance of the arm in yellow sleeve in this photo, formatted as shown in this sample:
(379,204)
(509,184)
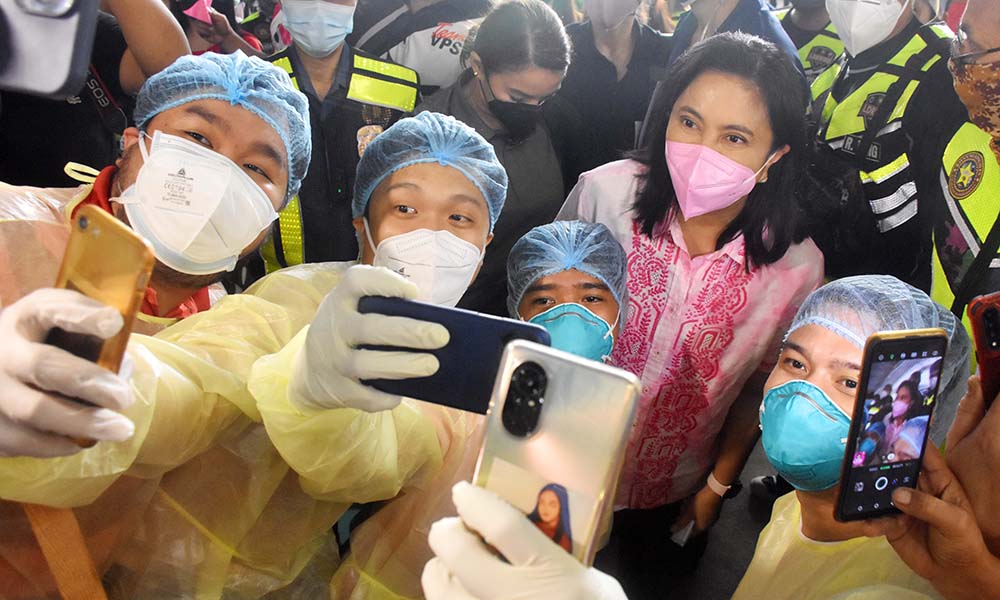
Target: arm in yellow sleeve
(344,454)
(190,387)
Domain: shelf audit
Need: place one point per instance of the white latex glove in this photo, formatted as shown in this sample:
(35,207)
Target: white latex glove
(38,381)
(329,369)
(465,569)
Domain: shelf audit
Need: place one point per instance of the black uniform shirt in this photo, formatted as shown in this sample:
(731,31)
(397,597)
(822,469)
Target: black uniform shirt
(614,109)
(325,197)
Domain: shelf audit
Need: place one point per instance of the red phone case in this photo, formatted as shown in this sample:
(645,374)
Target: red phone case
(984,313)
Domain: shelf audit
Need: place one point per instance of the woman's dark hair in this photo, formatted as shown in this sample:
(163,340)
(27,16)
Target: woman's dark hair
(563,528)
(773,218)
(226,7)
(520,34)
(916,399)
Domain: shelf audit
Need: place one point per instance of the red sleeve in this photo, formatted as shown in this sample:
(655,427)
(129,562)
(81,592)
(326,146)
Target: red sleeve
(252,40)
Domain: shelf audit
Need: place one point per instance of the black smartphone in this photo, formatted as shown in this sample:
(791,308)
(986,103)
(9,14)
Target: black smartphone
(45,45)
(468,364)
(900,377)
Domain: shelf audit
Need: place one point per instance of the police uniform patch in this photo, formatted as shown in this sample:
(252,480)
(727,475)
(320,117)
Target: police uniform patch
(821,57)
(966,175)
(870,107)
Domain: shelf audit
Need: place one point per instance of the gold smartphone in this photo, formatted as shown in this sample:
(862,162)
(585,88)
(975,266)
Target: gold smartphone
(106,261)
(557,429)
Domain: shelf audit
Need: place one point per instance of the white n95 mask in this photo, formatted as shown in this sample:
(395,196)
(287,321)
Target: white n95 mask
(862,25)
(439,262)
(197,208)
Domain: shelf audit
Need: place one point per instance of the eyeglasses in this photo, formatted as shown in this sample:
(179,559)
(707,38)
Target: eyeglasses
(964,58)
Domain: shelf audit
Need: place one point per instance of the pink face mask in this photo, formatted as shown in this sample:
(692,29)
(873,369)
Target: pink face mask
(899,408)
(706,181)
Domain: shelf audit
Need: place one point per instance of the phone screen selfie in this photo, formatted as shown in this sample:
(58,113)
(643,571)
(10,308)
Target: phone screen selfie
(891,422)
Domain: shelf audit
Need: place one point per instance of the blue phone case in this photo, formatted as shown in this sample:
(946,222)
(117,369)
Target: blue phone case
(469,362)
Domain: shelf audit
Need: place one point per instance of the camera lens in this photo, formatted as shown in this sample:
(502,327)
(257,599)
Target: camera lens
(990,323)
(525,397)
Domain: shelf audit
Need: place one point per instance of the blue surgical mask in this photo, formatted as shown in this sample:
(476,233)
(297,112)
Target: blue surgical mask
(804,435)
(577,330)
(317,27)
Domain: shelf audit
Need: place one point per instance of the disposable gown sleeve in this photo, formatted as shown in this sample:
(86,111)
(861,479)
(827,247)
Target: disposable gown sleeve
(190,387)
(344,455)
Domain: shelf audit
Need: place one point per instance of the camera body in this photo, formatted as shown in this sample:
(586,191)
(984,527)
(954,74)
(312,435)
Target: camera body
(525,398)
(45,45)
(576,447)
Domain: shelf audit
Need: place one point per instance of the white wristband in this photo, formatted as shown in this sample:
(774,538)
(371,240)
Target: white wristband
(715,486)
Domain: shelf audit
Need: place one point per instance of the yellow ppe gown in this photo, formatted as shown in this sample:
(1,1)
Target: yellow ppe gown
(789,566)
(225,489)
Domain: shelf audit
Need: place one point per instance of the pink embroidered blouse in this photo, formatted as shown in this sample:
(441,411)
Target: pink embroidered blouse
(697,329)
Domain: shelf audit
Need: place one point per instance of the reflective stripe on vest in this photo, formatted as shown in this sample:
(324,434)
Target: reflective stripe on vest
(862,125)
(970,180)
(373,82)
(847,116)
(381,83)
(285,247)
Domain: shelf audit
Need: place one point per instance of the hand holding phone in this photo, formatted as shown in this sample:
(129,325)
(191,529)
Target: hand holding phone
(468,363)
(900,378)
(555,441)
(536,568)
(107,262)
(338,355)
(38,381)
(984,314)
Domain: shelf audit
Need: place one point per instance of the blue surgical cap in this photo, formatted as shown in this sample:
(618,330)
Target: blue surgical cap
(426,138)
(249,82)
(856,307)
(549,249)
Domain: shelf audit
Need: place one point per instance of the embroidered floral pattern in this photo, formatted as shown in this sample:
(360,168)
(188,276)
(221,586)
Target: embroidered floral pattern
(672,409)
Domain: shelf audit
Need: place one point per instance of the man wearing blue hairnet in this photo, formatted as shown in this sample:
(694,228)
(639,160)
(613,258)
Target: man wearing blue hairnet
(569,277)
(804,552)
(222,483)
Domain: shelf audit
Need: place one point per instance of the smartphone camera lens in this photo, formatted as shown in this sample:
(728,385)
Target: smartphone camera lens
(525,397)
(991,323)
(83,222)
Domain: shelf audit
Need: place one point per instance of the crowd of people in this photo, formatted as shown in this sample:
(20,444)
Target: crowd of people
(722,198)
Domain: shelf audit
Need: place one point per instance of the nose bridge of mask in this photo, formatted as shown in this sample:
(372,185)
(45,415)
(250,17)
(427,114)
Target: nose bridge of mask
(570,310)
(447,250)
(187,185)
(208,194)
(804,434)
(721,165)
(570,325)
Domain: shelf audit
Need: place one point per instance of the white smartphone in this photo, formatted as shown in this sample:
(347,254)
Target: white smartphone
(557,428)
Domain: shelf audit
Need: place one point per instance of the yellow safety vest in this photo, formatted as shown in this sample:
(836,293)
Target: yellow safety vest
(845,124)
(375,83)
(819,53)
(970,179)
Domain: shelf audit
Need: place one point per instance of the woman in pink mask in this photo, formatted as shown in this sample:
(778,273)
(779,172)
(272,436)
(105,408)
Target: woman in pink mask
(717,266)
